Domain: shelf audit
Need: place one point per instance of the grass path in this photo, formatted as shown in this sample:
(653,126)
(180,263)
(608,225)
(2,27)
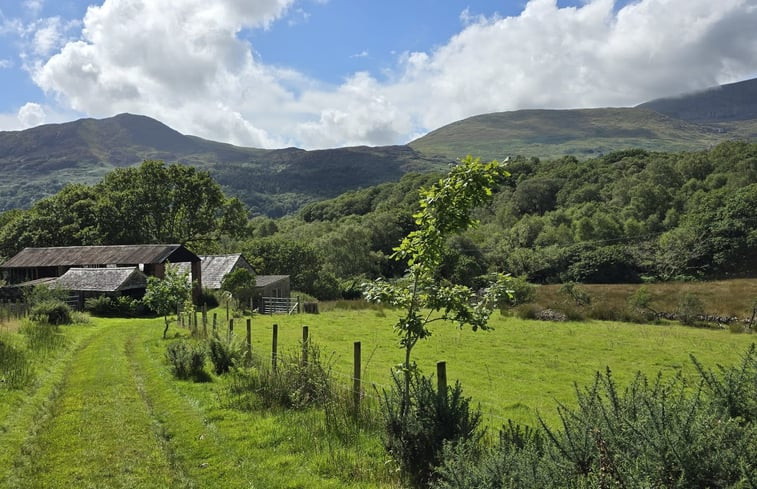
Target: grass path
(99,432)
(115,418)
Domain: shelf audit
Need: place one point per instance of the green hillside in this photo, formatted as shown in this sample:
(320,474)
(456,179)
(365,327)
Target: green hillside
(37,162)
(581,132)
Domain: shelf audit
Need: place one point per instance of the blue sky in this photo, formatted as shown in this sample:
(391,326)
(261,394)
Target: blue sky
(328,73)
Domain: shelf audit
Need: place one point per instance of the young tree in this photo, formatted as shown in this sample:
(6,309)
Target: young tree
(164,295)
(445,210)
(240,283)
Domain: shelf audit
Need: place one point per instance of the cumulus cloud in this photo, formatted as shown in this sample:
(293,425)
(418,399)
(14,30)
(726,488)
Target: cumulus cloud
(183,62)
(5,63)
(31,114)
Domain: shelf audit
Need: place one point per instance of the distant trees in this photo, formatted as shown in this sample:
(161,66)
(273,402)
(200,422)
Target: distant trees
(150,203)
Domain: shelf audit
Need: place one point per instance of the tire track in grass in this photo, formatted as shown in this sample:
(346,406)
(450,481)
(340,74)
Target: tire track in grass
(100,432)
(27,419)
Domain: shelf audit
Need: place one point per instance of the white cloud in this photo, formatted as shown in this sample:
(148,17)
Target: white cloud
(31,114)
(5,63)
(183,62)
(34,6)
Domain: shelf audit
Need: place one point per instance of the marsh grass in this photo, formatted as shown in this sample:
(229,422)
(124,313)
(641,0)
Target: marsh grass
(16,369)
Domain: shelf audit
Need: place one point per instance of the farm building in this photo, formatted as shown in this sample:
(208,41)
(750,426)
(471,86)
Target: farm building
(38,263)
(93,282)
(216,267)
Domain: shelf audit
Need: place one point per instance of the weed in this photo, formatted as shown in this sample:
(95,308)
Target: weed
(15,367)
(187,359)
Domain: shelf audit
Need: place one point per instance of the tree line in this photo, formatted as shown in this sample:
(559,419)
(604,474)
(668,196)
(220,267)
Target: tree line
(623,217)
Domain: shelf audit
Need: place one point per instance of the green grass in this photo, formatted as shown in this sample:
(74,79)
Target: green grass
(515,371)
(105,411)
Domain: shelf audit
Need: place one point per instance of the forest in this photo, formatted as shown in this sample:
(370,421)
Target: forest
(624,217)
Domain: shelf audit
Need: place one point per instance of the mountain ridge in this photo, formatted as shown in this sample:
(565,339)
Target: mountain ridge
(38,161)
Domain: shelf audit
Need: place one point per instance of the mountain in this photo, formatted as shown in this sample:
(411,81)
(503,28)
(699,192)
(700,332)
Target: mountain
(686,123)
(726,103)
(37,162)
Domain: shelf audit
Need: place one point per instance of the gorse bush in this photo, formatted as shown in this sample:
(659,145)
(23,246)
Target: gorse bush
(416,434)
(15,366)
(53,312)
(655,433)
(187,359)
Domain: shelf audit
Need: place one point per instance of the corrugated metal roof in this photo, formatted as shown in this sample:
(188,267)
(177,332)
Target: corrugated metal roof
(102,279)
(100,255)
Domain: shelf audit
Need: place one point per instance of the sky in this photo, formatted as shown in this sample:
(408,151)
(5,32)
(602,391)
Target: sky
(333,73)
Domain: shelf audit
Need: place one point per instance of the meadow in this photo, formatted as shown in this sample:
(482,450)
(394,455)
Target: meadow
(104,410)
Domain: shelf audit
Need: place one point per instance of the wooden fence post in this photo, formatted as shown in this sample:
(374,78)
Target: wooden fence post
(227,309)
(356,377)
(249,339)
(196,328)
(204,320)
(215,318)
(441,377)
(274,346)
(231,329)
(304,345)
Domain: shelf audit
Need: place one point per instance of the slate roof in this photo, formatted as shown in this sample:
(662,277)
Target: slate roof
(100,255)
(102,279)
(216,267)
(266,280)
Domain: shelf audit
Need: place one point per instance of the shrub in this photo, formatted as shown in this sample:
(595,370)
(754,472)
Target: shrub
(293,384)
(53,312)
(521,292)
(121,306)
(655,433)
(415,435)
(224,354)
(575,293)
(187,360)
(689,309)
(528,311)
(208,299)
(15,367)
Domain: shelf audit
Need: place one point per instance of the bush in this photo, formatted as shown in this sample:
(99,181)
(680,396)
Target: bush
(187,360)
(415,436)
(53,312)
(208,299)
(293,384)
(522,293)
(121,306)
(15,367)
(224,354)
(655,433)
(528,311)
(689,309)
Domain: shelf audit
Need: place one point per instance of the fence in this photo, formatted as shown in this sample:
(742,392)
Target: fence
(11,310)
(281,305)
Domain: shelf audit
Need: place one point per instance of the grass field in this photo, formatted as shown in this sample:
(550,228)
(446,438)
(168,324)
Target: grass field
(104,410)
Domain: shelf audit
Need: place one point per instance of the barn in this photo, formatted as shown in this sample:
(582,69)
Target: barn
(32,264)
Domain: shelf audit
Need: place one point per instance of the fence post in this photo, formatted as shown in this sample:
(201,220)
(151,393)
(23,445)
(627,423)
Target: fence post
(231,329)
(196,328)
(181,315)
(356,377)
(274,346)
(215,317)
(227,309)
(299,304)
(204,320)
(249,339)
(441,377)
(304,345)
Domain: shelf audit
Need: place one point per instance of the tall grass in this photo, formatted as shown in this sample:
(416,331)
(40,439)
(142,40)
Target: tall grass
(15,366)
